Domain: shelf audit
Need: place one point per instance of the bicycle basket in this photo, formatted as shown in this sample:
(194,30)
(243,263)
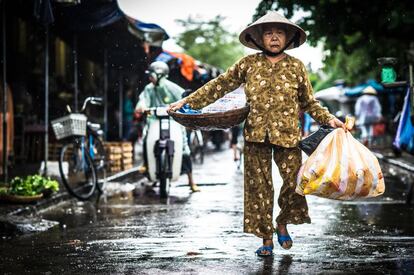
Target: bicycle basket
(70,125)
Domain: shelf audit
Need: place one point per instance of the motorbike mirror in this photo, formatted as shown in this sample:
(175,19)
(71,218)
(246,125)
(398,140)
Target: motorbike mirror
(186,93)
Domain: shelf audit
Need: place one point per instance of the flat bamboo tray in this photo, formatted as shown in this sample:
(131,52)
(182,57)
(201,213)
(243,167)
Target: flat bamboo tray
(20,199)
(211,121)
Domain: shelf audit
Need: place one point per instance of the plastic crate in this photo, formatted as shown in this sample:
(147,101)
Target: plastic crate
(70,125)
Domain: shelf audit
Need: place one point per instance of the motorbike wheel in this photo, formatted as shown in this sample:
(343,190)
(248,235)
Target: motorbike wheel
(164,180)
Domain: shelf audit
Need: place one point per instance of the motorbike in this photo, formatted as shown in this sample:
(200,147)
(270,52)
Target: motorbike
(163,149)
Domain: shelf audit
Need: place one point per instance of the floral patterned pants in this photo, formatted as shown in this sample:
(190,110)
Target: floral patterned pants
(259,192)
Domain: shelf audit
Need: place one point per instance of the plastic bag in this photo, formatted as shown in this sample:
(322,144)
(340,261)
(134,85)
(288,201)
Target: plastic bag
(341,168)
(404,138)
(310,143)
(186,109)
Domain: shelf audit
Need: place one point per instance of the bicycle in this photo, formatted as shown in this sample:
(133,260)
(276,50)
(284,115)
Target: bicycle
(196,144)
(82,160)
(240,148)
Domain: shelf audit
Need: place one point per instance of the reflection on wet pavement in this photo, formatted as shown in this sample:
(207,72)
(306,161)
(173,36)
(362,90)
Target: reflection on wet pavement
(201,233)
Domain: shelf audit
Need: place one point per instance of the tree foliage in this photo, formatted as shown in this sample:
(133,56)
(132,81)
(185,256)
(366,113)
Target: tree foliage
(354,32)
(209,42)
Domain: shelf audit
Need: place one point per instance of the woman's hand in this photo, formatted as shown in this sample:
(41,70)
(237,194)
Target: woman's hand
(176,105)
(336,123)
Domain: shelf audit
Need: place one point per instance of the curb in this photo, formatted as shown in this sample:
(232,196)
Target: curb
(61,196)
(403,165)
(400,164)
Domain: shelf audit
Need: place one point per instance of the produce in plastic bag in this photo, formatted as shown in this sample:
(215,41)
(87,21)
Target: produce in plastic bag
(341,168)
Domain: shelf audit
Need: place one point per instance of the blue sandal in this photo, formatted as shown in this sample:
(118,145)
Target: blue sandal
(264,248)
(283,238)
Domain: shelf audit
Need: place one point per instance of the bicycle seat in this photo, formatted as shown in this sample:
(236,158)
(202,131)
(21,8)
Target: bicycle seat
(94,126)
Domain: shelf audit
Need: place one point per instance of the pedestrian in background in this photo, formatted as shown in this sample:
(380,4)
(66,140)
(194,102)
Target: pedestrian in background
(235,132)
(128,114)
(368,113)
(277,88)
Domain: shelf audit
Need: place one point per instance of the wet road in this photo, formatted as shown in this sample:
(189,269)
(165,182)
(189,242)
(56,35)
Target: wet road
(201,233)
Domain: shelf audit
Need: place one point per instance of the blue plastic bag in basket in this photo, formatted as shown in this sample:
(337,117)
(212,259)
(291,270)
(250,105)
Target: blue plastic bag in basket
(186,109)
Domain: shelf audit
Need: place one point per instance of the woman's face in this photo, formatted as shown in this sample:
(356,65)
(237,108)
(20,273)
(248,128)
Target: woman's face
(274,38)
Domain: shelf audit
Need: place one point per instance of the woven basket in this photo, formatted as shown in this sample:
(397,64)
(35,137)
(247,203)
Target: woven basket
(211,121)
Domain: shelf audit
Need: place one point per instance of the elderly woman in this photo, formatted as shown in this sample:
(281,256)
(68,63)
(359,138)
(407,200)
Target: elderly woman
(277,88)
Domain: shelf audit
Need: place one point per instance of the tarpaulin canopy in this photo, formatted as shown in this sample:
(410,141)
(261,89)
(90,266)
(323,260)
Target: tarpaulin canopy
(331,93)
(187,63)
(357,90)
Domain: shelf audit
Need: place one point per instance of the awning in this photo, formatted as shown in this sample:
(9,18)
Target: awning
(331,93)
(88,16)
(148,32)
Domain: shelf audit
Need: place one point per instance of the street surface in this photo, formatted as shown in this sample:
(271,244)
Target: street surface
(201,233)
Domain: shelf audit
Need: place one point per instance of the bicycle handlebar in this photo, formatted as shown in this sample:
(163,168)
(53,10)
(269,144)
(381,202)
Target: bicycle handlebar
(97,100)
(92,100)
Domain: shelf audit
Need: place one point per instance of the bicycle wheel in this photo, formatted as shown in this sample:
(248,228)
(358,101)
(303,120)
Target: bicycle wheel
(98,155)
(77,170)
(163,177)
(197,147)
(239,162)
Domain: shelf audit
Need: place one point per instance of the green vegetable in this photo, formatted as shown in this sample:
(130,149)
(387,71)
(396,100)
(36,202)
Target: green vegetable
(32,185)
(3,190)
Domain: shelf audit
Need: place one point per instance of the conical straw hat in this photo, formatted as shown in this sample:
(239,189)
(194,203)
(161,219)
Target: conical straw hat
(272,17)
(369,90)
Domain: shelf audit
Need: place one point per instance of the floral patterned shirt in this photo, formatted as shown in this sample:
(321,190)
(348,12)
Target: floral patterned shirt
(276,92)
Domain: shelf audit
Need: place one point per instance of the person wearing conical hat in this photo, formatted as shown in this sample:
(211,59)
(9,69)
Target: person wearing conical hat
(368,113)
(277,88)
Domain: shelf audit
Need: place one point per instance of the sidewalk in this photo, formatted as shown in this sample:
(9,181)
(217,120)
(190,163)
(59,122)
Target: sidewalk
(23,170)
(17,219)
